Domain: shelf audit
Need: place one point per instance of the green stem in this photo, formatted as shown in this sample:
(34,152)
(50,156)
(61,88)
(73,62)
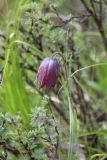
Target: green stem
(71,130)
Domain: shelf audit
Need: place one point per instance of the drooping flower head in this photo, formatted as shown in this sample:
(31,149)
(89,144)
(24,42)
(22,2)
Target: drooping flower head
(48,73)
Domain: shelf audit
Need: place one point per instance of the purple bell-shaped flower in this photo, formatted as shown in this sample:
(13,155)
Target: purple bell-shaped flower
(48,73)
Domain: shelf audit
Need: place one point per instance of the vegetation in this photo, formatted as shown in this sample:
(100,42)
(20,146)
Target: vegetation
(70,120)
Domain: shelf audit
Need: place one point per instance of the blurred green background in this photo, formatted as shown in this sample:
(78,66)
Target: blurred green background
(31,30)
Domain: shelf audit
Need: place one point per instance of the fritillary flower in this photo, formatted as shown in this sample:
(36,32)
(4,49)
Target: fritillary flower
(48,73)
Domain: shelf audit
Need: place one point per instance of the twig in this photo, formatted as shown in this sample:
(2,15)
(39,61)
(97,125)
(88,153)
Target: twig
(65,22)
(56,129)
(98,22)
(93,7)
(100,9)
